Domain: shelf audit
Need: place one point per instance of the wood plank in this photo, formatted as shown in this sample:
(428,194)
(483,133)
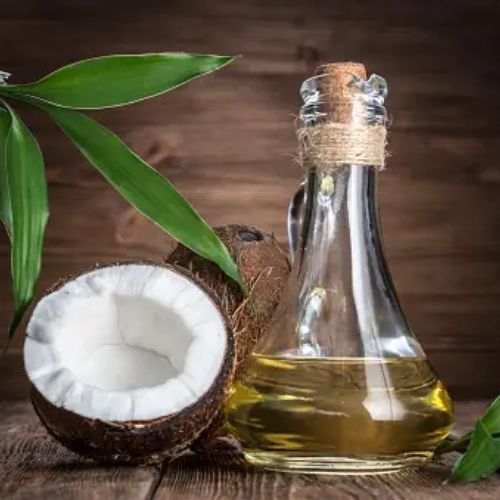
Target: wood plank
(225,477)
(446,321)
(14,383)
(194,477)
(34,465)
(415,275)
(466,414)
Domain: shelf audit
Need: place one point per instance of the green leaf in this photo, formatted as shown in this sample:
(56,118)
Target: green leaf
(491,418)
(27,196)
(5,206)
(117,80)
(145,188)
(481,459)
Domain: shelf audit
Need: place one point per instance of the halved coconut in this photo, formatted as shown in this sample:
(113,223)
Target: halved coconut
(128,362)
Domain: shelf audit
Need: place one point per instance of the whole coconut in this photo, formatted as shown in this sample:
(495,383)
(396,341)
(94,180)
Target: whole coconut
(264,267)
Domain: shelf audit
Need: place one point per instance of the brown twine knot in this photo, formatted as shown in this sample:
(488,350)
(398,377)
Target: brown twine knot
(334,144)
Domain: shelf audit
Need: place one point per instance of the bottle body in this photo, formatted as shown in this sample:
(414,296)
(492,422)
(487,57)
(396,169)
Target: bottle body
(348,415)
(339,383)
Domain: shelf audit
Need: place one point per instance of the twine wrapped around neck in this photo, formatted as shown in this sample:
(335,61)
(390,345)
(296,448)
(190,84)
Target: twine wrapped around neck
(333,144)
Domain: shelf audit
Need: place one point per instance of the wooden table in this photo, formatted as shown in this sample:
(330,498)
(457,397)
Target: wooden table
(34,466)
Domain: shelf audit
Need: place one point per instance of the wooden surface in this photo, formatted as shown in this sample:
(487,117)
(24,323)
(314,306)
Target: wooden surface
(33,466)
(227,142)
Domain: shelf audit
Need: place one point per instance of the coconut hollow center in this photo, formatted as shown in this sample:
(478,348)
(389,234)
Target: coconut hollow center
(122,348)
(127,342)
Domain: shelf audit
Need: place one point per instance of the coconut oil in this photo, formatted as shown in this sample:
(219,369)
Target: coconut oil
(349,414)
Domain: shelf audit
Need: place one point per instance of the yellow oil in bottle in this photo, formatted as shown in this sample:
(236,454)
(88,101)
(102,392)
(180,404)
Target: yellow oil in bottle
(339,414)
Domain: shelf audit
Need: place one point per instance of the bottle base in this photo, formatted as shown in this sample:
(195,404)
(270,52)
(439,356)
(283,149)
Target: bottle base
(302,463)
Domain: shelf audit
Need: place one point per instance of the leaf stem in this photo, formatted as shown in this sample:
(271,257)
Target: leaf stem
(454,444)
(458,444)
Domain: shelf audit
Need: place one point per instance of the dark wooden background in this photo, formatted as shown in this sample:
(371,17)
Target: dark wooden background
(227,142)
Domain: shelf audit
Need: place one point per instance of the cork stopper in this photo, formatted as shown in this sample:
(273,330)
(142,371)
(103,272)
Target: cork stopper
(341,69)
(339,95)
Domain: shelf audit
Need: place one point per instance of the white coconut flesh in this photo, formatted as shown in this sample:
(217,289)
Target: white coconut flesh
(124,343)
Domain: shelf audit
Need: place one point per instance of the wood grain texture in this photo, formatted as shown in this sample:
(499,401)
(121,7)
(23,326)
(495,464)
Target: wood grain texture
(192,477)
(227,142)
(33,465)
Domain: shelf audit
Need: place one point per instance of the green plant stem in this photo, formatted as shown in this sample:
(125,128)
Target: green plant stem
(454,445)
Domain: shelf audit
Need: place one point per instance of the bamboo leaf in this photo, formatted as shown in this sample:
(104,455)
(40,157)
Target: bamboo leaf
(481,459)
(491,418)
(26,189)
(5,206)
(117,80)
(145,188)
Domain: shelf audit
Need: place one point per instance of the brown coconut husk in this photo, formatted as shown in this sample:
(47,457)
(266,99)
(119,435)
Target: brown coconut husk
(265,268)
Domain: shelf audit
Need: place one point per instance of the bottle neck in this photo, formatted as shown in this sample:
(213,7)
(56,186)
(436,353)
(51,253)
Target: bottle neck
(340,204)
(340,270)
(340,238)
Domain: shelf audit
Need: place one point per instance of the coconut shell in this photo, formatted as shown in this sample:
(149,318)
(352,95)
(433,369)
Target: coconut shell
(265,268)
(140,442)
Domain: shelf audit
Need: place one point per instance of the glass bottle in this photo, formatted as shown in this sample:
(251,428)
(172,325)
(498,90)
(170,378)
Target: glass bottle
(339,383)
